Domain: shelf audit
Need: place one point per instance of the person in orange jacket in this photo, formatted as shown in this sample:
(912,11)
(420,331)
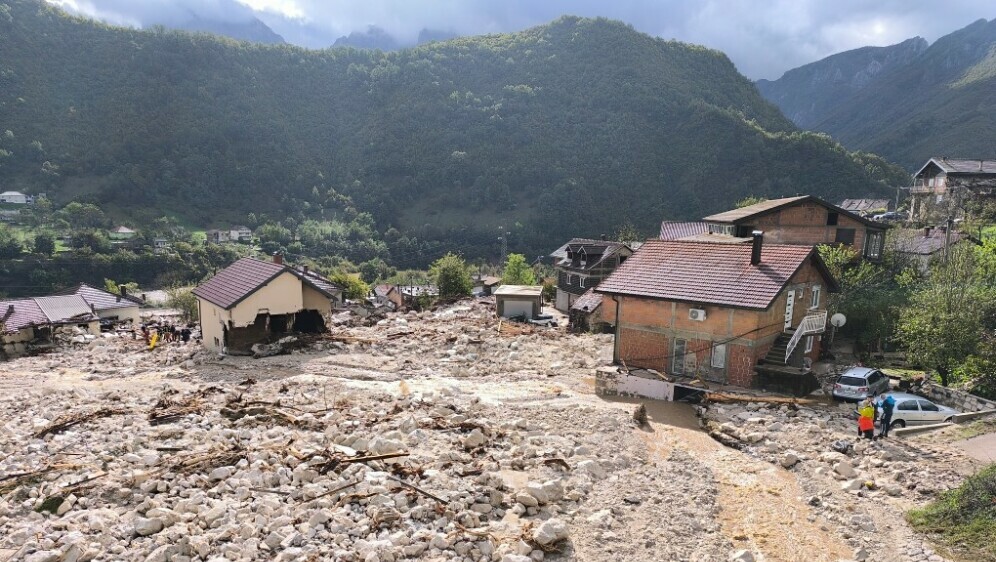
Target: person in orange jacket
(866,419)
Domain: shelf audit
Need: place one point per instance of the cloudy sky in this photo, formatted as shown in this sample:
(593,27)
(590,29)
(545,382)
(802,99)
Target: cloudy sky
(764,38)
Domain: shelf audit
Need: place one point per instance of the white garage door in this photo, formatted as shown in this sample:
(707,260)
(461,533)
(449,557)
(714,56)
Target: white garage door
(518,308)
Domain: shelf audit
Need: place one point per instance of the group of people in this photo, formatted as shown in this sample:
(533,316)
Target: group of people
(164,333)
(868,414)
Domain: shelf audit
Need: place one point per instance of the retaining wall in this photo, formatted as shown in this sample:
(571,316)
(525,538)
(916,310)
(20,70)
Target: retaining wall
(957,399)
(612,382)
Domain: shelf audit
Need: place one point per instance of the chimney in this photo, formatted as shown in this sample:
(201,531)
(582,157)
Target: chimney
(278,258)
(604,238)
(124,290)
(755,250)
(980,165)
(926,232)
(304,269)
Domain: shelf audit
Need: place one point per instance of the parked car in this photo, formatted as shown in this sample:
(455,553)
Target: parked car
(858,383)
(912,410)
(889,216)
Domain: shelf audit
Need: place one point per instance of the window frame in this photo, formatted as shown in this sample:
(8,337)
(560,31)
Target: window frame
(814,300)
(874,242)
(678,361)
(833,217)
(716,354)
(581,281)
(809,343)
(852,235)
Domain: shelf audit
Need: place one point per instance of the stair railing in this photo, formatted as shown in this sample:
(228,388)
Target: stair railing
(815,323)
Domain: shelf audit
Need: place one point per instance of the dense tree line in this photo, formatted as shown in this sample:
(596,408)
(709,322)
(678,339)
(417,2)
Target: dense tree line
(565,129)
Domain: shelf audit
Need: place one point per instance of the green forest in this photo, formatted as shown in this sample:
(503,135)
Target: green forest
(568,129)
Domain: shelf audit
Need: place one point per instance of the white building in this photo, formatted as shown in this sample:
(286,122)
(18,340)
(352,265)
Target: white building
(15,197)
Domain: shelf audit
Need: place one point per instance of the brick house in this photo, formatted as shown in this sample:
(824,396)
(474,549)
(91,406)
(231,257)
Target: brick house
(720,312)
(805,220)
(582,264)
(943,186)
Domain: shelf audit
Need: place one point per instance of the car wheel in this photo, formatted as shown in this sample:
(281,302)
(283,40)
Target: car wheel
(898,423)
(948,419)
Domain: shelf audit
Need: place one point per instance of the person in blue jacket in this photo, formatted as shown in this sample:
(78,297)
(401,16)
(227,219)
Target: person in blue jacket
(886,403)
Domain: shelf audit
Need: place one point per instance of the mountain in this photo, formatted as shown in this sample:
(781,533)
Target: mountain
(806,94)
(569,129)
(252,30)
(938,103)
(430,35)
(373,38)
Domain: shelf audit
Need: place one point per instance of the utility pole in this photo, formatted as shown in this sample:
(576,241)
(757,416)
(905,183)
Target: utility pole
(947,237)
(503,239)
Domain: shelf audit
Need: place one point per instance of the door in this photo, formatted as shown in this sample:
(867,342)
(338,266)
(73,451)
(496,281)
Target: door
(513,309)
(789,308)
(929,412)
(908,411)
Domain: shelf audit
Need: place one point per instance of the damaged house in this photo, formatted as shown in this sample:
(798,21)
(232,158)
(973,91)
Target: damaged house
(32,321)
(254,301)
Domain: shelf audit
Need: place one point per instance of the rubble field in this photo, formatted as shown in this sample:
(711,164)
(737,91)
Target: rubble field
(442,435)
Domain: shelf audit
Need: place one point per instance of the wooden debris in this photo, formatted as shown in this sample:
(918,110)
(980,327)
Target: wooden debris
(205,461)
(338,489)
(417,489)
(67,421)
(557,462)
(727,398)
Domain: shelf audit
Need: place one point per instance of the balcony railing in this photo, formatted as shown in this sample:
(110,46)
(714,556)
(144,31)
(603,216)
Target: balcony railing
(815,323)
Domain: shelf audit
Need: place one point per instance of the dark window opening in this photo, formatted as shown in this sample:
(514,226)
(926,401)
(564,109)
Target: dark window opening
(845,236)
(309,322)
(832,219)
(744,231)
(278,324)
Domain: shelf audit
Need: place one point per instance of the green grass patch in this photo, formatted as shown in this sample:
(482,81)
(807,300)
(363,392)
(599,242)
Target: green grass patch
(908,374)
(963,519)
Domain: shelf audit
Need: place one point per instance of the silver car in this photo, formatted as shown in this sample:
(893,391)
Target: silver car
(911,409)
(858,383)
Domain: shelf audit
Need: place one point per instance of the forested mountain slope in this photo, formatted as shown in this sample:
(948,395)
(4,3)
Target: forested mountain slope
(940,103)
(563,130)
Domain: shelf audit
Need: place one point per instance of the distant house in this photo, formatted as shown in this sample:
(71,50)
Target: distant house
(410,294)
(519,301)
(677,230)
(582,264)
(240,234)
(805,220)
(121,233)
(10,215)
(108,306)
(254,301)
(924,245)
(389,296)
(942,187)
(866,207)
(485,285)
(739,314)
(14,198)
(23,321)
(161,245)
(215,236)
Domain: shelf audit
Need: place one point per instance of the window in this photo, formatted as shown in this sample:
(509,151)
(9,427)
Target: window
(845,236)
(217,343)
(930,181)
(678,360)
(580,281)
(568,279)
(719,356)
(908,406)
(928,406)
(809,343)
(815,302)
(832,219)
(873,247)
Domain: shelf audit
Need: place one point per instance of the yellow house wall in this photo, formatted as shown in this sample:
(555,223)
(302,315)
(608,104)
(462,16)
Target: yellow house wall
(283,295)
(213,319)
(313,300)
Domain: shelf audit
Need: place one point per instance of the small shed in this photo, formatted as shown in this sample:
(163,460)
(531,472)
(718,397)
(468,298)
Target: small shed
(518,301)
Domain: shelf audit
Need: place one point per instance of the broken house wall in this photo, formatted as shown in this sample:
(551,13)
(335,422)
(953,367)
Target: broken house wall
(122,314)
(313,300)
(282,295)
(17,343)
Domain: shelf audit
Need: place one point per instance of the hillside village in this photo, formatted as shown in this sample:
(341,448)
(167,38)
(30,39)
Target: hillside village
(310,424)
(575,291)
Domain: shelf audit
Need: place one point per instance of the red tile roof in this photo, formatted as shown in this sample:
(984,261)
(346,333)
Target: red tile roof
(702,272)
(25,312)
(232,285)
(674,230)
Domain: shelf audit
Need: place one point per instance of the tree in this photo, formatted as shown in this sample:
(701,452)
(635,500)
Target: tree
(517,271)
(352,286)
(44,244)
(451,276)
(83,215)
(10,246)
(948,313)
(748,201)
(182,299)
(628,233)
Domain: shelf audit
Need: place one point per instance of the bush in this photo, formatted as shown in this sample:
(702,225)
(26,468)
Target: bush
(182,299)
(964,517)
(353,287)
(452,277)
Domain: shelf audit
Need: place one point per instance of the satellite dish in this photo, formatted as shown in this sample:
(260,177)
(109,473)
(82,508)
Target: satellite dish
(838,320)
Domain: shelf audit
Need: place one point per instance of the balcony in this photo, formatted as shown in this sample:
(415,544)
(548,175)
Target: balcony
(812,324)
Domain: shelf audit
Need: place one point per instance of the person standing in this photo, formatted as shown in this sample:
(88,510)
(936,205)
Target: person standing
(887,403)
(866,419)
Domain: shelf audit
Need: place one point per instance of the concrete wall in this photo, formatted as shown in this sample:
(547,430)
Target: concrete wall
(313,300)
(611,382)
(17,343)
(957,399)
(213,320)
(536,302)
(123,314)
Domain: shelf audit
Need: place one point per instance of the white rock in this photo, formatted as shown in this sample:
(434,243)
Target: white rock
(845,469)
(592,468)
(550,531)
(526,499)
(474,440)
(789,460)
(741,556)
(145,527)
(221,473)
